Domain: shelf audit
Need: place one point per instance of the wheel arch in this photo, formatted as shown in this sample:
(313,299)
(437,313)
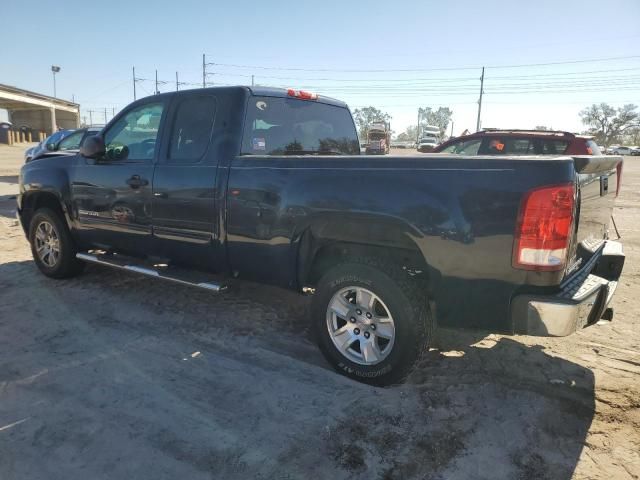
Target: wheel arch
(325,245)
(44,184)
(33,201)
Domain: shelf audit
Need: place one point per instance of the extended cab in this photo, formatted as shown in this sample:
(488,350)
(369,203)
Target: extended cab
(204,186)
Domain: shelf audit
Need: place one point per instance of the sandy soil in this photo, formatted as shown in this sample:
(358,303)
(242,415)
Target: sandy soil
(111,375)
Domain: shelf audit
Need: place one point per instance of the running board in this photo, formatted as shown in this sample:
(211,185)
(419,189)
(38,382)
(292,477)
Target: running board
(184,277)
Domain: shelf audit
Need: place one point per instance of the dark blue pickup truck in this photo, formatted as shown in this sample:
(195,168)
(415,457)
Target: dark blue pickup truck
(204,186)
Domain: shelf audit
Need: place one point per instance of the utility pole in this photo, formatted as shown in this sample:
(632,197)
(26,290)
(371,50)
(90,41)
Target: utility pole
(73,98)
(105,115)
(252,80)
(134,83)
(480,101)
(177,83)
(90,117)
(418,128)
(204,72)
(451,136)
(157,92)
(113,112)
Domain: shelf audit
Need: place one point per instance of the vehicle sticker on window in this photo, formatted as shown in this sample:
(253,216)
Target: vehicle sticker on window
(261,105)
(259,144)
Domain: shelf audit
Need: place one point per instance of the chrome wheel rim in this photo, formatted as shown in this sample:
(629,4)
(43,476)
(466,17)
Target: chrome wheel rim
(47,244)
(360,325)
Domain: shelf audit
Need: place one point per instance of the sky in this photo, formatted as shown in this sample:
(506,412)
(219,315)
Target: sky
(545,60)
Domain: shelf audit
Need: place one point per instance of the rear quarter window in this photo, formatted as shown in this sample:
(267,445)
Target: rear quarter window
(287,126)
(511,145)
(593,148)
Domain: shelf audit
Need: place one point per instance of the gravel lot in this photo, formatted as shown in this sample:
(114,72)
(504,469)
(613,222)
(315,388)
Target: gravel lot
(116,376)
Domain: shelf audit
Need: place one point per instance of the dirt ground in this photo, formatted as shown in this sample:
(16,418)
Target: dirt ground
(113,376)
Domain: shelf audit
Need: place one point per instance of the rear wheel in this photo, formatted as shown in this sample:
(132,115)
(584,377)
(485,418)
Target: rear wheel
(53,249)
(371,322)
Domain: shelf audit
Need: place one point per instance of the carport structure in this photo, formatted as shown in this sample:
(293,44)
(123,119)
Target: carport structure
(39,112)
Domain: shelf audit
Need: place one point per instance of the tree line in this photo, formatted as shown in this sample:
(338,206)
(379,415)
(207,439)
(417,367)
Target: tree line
(608,125)
(366,116)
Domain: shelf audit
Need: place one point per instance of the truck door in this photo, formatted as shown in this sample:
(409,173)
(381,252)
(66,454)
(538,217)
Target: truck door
(185,222)
(112,195)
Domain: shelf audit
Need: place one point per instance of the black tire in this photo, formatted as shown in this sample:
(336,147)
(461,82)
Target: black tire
(67,265)
(407,304)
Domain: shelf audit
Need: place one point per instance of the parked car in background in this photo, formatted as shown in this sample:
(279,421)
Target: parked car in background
(48,144)
(623,150)
(402,144)
(64,140)
(520,142)
(635,151)
(426,145)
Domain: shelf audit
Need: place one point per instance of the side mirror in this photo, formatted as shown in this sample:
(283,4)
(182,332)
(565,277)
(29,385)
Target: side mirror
(93,147)
(51,146)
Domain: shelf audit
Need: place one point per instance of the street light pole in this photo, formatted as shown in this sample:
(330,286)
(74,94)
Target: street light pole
(54,69)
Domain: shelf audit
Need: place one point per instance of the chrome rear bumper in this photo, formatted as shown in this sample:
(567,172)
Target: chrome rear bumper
(582,302)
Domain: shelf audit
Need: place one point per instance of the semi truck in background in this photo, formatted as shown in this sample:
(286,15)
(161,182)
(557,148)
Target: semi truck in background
(378,138)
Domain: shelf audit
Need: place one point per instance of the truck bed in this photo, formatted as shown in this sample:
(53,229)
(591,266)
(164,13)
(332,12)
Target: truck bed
(459,212)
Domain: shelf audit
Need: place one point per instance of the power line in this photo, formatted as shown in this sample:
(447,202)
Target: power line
(630,81)
(440,69)
(448,79)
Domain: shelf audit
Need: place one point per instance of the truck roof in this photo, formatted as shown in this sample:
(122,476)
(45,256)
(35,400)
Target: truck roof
(282,92)
(258,91)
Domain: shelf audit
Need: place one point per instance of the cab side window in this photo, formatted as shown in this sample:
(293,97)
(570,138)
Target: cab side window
(133,137)
(192,127)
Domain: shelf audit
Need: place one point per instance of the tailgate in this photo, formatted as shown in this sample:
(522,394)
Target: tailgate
(597,178)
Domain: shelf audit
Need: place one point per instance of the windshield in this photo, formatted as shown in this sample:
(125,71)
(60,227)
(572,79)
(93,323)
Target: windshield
(377,136)
(287,126)
(56,137)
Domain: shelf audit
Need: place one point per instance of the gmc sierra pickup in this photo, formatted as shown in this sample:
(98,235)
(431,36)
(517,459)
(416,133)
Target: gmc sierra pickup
(204,186)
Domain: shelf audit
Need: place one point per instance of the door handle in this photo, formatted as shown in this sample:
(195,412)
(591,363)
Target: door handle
(135,181)
(160,194)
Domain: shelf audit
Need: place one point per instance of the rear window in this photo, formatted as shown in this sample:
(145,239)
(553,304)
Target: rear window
(287,126)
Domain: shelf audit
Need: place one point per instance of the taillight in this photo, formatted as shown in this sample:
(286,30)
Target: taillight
(618,176)
(543,232)
(302,94)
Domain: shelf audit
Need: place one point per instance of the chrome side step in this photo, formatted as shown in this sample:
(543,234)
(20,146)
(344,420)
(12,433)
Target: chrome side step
(183,277)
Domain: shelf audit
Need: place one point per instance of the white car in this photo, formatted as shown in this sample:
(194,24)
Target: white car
(622,150)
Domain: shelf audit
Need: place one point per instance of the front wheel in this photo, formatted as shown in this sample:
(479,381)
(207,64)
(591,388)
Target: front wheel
(53,249)
(371,322)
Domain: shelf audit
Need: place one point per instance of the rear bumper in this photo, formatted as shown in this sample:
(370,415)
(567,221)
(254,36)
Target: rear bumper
(580,303)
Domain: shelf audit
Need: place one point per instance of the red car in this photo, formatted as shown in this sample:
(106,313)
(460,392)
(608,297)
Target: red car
(520,142)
